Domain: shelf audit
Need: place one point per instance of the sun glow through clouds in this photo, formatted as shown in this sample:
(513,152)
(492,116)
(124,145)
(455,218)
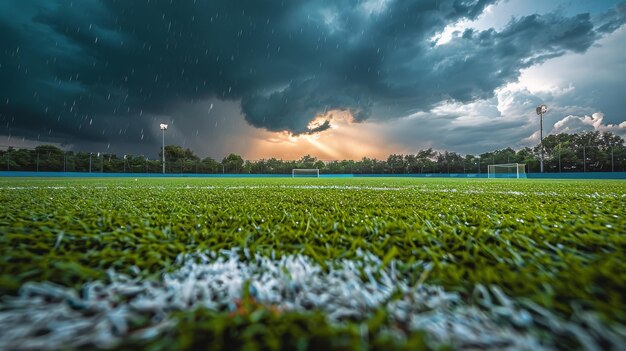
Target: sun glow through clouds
(342,139)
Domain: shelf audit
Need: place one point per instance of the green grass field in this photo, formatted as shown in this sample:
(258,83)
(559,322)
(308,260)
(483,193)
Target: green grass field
(543,262)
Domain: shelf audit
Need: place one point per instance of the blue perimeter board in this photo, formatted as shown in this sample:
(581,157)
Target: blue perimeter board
(577,175)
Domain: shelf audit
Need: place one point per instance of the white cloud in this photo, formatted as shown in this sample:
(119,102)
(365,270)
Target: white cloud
(595,122)
(533,138)
(498,15)
(331,19)
(374,7)
(451,31)
(516,100)
(589,81)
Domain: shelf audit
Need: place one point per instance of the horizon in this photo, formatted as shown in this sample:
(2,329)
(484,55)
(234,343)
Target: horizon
(301,157)
(336,81)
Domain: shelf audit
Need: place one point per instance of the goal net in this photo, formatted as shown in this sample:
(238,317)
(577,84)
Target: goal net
(509,170)
(305,173)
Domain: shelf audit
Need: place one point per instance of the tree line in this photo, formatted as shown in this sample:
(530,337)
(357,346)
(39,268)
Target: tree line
(581,152)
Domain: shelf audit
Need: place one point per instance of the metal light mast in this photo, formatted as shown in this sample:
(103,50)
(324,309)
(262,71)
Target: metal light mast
(163,128)
(541,110)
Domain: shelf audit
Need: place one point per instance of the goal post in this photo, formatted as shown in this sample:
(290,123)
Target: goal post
(507,170)
(305,173)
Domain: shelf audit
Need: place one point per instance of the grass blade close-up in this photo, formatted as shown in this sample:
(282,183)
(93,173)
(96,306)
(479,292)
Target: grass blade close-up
(385,263)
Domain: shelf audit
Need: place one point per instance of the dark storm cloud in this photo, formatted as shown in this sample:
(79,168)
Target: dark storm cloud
(100,70)
(612,19)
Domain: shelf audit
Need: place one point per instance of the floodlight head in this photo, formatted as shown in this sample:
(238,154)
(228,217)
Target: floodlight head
(163,126)
(541,109)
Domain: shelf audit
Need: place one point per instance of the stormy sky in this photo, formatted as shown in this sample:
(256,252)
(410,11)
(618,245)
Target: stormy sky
(335,79)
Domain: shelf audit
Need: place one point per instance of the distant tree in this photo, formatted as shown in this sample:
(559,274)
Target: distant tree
(319,165)
(347,166)
(527,156)
(425,159)
(563,157)
(80,162)
(364,166)
(274,165)
(594,151)
(247,167)
(189,155)
(233,163)
(471,163)
(175,153)
(135,164)
(396,163)
(209,165)
(504,156)
(307,161)
(49,158)
(454,162)
(411,163)
(589,151)
(48,149)
(9,159)
(259,167)
(333,167)
(558,152)
(180,160)
(379,166)
(288,166)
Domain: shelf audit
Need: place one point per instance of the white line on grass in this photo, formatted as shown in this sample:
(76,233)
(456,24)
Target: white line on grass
(46,316)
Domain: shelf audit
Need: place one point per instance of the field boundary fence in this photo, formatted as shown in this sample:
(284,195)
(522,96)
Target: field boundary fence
(587,175)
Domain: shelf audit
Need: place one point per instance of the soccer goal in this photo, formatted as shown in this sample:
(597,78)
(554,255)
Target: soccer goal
(508,170)
(305,173)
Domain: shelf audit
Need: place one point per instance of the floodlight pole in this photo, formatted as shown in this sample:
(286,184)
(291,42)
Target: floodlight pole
(541,140)
(163,128)
(163,150)
(541,109)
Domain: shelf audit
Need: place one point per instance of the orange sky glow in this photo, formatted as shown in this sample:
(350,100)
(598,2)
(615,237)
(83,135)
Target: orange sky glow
(344,140)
